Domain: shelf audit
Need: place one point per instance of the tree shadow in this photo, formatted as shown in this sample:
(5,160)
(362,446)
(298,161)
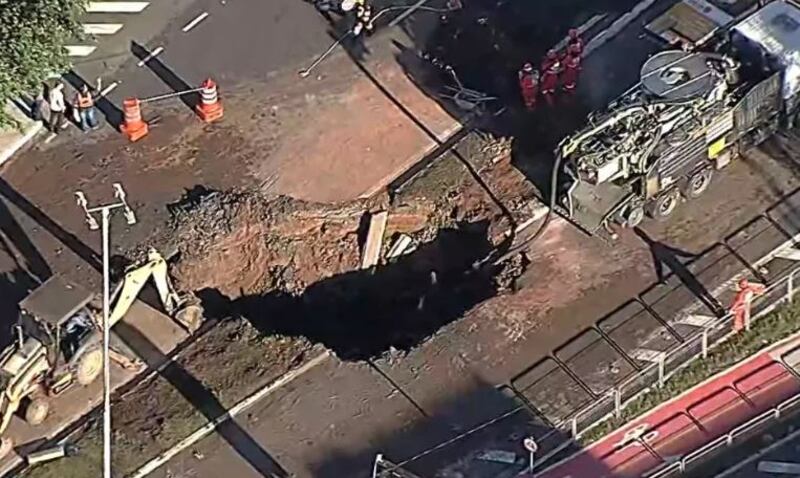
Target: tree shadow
(365,313)
(71,241)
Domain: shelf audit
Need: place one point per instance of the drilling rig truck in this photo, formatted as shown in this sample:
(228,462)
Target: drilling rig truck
(693,112)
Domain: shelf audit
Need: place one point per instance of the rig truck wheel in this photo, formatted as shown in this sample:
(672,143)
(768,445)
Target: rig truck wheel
(632,215)
(90,364)
(664,205)
(697,184)
(36,411)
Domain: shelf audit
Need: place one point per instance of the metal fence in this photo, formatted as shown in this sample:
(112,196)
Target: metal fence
(697,345)
(560,437)
(742,432)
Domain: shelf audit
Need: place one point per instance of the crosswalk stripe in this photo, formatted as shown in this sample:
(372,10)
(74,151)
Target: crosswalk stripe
(647,355)
(695,320)
(80,50)
(101,28)
(116,7)
(790,253)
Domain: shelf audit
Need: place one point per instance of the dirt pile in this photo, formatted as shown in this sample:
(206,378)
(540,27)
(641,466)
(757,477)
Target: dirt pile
(243,242)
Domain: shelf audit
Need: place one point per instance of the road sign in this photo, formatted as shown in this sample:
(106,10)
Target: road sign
(530,444)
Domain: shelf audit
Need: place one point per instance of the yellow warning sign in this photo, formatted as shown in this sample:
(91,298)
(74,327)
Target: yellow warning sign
(716,147)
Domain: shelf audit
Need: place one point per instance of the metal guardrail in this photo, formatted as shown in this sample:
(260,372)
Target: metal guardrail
(697,345)
(612,403)
(746,430)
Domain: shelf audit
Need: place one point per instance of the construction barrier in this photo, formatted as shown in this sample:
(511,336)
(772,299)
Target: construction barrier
(134,127)
(210,108)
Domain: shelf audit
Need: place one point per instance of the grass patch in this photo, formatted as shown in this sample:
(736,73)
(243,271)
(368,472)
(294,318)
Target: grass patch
(777,325)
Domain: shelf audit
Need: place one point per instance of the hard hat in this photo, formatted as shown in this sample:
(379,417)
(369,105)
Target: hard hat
(348,5)
(573,33)
(527,67)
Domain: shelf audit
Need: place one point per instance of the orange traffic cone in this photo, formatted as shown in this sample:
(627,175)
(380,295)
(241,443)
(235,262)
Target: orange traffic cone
(210,108)
(134,127)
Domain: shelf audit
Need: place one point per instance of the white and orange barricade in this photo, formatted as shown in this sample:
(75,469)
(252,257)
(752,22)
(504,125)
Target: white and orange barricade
(133,126)
(210,108)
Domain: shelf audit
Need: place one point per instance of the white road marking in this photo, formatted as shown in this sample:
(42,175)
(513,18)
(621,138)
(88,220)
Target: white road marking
(779,467)
(108,89)
(116,7)
(695,320)
(647,355)
(790,253)
(101,28)
(80,50)
(194,22)
(240,407)
(152,55)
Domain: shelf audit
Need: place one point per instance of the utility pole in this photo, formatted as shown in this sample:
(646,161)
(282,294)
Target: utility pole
(105,214)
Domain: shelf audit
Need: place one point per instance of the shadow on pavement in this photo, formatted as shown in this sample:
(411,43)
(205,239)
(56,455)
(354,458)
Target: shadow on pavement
(204,401)
(478,432)
(169,77)
(674,259)
(67,238)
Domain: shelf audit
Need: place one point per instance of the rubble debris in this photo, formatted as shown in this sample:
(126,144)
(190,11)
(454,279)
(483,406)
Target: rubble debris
(50,454)
(372,246)
(402,245)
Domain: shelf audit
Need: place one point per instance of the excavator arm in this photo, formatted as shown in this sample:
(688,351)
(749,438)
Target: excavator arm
(184,310)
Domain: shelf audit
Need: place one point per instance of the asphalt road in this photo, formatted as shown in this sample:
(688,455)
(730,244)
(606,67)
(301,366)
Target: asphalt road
(333,420)
(404,407)
(232,41)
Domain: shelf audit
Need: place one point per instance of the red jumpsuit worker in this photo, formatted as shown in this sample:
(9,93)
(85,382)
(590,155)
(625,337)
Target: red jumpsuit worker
(551,68)
(741,303)
(575,43)
(529,85)
(569,75)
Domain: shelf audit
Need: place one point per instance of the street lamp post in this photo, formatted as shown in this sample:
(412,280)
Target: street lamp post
(105,214)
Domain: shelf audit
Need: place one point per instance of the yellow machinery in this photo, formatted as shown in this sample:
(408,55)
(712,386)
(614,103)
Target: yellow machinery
(59,336)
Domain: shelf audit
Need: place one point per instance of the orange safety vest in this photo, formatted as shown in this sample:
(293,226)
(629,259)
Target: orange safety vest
(84,101)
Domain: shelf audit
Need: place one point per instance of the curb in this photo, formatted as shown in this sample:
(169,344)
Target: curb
(28,134)
(233,411)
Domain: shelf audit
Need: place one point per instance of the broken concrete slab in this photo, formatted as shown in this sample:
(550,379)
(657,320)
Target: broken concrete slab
(372,247)
(402,245)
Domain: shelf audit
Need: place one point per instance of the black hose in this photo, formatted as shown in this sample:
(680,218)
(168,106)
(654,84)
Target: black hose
(548,216)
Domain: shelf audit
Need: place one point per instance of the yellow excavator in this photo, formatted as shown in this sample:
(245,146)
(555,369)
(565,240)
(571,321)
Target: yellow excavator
(59,338)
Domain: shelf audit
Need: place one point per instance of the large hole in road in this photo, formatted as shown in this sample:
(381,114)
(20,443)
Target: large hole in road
(364,313)
(292,268)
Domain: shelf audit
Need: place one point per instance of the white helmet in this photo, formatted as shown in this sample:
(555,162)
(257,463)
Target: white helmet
(348,5)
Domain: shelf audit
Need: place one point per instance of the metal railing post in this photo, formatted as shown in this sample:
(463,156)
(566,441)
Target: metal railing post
(617,402)
(790,287)
(661,360)
(574,427)
(704,342)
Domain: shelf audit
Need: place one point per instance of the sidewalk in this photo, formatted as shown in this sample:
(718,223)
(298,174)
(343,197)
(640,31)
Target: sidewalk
(12,140)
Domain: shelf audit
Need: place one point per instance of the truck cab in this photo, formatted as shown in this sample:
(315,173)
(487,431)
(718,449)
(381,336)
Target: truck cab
(693,111)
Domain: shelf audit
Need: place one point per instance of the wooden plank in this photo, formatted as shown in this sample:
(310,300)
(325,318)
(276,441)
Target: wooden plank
(372,248)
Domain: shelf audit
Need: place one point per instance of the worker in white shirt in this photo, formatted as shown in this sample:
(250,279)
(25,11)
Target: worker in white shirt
(57,106)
